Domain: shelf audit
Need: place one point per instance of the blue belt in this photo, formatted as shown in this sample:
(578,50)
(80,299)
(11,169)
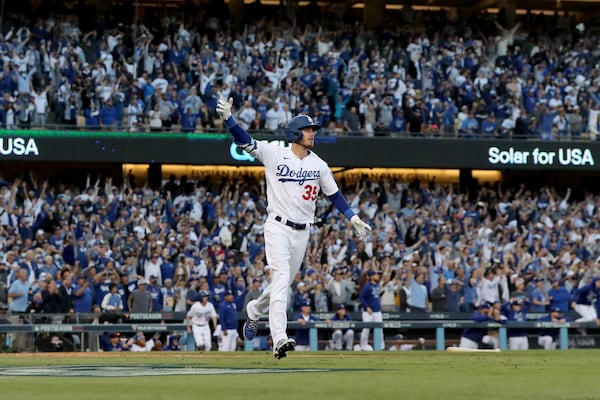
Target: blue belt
(293,225)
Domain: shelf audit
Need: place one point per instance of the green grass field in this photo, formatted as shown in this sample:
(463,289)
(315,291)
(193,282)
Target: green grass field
(366,376)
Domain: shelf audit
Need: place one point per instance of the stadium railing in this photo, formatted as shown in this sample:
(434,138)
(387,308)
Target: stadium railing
(176,129)
(440,328)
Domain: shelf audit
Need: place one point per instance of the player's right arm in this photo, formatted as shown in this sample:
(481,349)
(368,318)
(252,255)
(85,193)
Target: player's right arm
(479,317)
(240,136)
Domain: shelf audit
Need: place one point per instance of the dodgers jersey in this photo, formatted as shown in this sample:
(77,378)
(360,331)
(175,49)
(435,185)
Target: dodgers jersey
(293,184)
(200,314)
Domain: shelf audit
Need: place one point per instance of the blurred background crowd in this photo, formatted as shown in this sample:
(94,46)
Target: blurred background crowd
(93,250)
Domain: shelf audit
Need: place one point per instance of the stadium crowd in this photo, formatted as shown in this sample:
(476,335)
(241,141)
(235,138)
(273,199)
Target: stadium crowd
(472,78)
(110,249)
(116,249)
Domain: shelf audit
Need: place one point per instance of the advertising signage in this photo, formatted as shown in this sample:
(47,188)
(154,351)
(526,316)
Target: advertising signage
(528,156)
(218,149)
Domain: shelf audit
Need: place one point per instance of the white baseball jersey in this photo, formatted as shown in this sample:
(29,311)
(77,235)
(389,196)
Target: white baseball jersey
(200,314)
(293,184)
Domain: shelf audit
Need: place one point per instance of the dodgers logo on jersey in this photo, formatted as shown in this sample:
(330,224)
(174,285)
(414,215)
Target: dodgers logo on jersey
(287,174)
(376,291)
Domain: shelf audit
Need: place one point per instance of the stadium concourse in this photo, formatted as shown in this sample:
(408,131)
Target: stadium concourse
(474,78)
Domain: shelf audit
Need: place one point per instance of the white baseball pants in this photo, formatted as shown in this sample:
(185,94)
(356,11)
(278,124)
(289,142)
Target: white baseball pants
(518,343)
(285,248)
(202,336)
(364,335)
(228,342)
(491,340)
(547,342)
(588,313)
(466,343)
(338,339)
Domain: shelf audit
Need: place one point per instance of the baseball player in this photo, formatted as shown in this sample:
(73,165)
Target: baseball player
(138,342)
(197,321)
(341,336)
(583,299)
(548,336)
(294,175)
(113,343)
(516,310)
(172,343)
(472,337)
(228,319)
(303,334)
(370,303)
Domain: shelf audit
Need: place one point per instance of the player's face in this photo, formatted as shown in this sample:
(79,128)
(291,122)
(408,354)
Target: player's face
(308,138)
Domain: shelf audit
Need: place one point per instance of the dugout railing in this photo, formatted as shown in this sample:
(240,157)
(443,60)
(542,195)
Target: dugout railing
(439,328)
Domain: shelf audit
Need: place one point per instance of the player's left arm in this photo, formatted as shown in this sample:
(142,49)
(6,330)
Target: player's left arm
(336,197)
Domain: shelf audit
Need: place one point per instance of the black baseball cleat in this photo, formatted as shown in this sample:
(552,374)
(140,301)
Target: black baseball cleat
(283,346)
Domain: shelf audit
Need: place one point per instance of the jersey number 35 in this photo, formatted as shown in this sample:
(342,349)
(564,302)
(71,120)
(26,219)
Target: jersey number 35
(311,192)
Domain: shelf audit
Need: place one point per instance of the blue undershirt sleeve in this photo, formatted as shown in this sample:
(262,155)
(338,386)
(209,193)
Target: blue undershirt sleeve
(339,201)
(240,136)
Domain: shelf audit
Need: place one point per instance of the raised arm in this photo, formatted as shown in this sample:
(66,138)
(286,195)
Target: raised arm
(33,179)
(240,135)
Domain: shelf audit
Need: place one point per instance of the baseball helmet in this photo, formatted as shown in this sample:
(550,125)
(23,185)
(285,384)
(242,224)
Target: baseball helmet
(203,293)
(293,130)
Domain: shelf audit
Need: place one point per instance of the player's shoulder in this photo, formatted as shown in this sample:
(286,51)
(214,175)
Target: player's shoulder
(275,146)
(313,154)
(315,158)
